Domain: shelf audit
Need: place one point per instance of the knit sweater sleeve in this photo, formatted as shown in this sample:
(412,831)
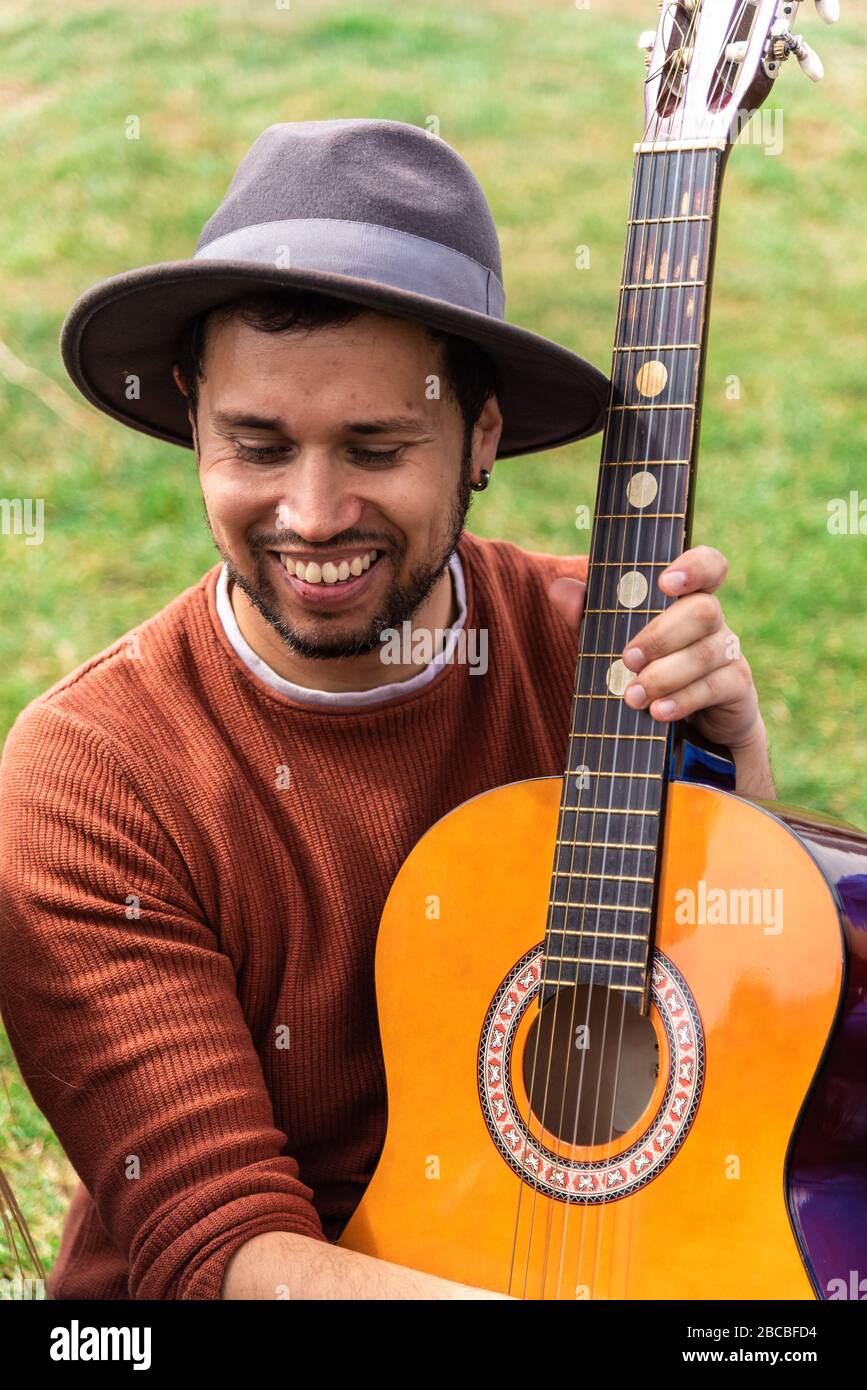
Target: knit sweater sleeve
(123,1015)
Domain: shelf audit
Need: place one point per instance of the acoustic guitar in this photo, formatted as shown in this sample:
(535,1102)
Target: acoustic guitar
(629,1059)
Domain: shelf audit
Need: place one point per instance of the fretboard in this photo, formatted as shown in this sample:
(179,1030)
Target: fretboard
(601,912)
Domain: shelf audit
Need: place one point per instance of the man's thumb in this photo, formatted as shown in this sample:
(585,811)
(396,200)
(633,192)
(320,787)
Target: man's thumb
(567,596)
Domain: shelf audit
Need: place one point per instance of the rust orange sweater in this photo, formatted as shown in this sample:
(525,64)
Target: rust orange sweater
(192,871)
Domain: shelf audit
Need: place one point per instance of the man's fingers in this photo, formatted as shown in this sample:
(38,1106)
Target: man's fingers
(677,671)
(695,617)
(703,567)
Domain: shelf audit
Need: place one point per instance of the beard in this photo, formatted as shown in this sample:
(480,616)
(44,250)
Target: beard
(398,605)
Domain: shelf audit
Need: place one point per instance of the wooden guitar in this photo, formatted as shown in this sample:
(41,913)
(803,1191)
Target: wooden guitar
(631,1059)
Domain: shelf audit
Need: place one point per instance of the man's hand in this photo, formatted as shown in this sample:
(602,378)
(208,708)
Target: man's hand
(688,663)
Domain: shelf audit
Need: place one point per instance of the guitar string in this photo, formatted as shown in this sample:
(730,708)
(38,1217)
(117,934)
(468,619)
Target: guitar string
(677,336)
(609,993)
(651,248)
(563,812)
(647,251)
(634,211)
(708,184)
(654,317)
(684,252)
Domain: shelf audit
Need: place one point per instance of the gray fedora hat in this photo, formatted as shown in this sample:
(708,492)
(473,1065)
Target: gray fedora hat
(376,212)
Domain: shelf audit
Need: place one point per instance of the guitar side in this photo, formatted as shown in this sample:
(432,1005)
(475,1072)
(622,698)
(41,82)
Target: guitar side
(757,1004)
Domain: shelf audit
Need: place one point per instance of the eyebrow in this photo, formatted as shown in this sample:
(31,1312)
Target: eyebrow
(241,419)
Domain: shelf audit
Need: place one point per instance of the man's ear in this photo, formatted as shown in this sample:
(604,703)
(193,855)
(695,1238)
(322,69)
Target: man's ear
(182,387)
(486,435)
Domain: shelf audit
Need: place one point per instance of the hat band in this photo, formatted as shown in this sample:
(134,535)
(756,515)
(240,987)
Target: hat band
(383,255)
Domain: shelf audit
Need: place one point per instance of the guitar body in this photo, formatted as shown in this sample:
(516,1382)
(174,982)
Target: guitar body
(699,1197)
(623,1016)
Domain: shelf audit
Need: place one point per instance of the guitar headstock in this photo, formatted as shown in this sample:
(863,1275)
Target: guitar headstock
(712,62)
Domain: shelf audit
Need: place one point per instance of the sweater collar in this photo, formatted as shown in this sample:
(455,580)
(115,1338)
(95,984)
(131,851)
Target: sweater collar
(343,698)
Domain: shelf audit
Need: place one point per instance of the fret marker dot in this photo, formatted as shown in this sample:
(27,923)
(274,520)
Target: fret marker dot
(632,589)
(641,489)
(618,677)
(651,378)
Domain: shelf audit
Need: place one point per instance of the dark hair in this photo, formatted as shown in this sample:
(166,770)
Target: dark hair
(469,374)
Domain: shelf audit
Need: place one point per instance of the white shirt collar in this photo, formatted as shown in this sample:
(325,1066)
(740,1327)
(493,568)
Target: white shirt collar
(380,693)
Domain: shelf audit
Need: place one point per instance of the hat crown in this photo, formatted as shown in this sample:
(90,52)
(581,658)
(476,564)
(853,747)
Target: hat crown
(385,173)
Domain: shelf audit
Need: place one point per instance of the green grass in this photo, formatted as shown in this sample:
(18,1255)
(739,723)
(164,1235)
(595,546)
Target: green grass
(543,100)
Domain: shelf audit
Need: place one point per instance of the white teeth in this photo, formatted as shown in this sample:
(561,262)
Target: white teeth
(329,572)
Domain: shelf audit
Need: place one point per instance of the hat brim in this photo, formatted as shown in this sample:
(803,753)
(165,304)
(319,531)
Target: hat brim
(127,327)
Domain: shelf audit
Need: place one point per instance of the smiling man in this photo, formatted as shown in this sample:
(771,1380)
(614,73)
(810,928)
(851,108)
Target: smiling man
(364,541)
(200,825)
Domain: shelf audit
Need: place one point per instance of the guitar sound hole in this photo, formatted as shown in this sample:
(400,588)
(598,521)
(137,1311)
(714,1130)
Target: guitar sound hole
(585,1045)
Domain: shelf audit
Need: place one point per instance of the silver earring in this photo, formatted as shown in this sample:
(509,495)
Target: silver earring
(480,486)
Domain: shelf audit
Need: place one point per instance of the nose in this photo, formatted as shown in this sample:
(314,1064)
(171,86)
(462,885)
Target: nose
(317,501)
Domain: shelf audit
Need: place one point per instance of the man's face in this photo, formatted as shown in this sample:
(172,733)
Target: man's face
(323,449)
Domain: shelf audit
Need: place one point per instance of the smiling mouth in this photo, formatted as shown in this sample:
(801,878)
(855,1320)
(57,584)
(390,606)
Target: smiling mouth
(334,574)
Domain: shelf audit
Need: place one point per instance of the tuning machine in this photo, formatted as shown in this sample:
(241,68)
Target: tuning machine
(808,59)
(783,43)
(828,10)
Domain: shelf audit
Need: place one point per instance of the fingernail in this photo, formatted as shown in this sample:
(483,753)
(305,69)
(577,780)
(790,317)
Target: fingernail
(665,707)
(676,578)
(634,658)
(638,693)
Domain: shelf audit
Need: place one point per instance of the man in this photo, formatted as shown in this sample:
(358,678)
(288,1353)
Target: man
(200,825)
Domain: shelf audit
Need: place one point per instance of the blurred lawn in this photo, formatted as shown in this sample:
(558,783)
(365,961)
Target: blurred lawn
(544,101)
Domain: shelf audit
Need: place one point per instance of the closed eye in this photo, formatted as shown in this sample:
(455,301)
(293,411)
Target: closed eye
(371,455)
(266,455)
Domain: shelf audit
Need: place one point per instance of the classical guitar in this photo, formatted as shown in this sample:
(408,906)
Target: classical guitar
(631,1059)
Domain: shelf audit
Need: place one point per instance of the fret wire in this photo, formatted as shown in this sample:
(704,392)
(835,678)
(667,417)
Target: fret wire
(618,564)
(624,612)
(587,652)
(599,960)
(681,217)
(636,516)
(652,738)
(606,844)
(608,810)
(645,463)
(636,989)
(621,878)
(580,931)
(651,407)
(661,284)
(659,347)
(654,776)
(605,907)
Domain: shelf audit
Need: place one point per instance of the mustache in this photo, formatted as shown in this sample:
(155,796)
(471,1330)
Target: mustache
(321,547)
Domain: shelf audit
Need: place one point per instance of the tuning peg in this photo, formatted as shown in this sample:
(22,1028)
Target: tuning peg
(808,59)
(736,52)
(646,41)
(828,10)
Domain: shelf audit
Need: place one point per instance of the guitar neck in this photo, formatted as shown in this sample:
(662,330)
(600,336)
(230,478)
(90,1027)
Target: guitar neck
(610,822)
(646,477)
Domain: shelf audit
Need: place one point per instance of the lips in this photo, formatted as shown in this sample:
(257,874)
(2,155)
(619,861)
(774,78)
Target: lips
(336,569)
(323,594)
